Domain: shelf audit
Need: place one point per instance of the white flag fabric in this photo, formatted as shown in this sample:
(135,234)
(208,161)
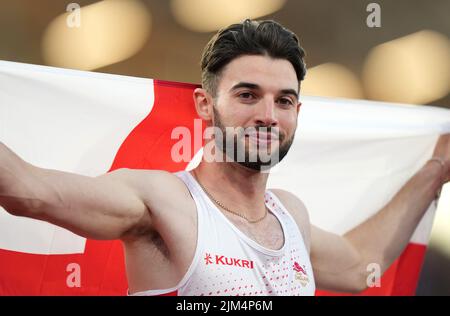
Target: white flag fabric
(348,159)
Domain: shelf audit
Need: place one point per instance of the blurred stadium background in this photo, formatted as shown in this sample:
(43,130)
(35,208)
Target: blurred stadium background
(406,60)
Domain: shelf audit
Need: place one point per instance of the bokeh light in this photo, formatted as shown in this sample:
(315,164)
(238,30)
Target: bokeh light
(110,31)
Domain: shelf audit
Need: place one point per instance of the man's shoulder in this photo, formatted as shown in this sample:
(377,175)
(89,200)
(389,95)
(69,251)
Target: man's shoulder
(148,177)
(153,184)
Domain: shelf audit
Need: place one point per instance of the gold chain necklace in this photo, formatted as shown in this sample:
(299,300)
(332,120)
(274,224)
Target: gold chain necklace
(226,208)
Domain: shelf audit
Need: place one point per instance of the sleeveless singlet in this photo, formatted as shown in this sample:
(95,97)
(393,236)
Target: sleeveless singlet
(228,262)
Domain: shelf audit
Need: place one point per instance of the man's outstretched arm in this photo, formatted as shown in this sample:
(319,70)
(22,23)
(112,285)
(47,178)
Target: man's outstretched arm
(340,262)
(104,207)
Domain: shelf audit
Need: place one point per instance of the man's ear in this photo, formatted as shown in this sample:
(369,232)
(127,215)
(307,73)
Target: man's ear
(299,104)
(203,104)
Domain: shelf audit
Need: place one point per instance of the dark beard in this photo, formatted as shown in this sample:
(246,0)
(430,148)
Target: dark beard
(230,144)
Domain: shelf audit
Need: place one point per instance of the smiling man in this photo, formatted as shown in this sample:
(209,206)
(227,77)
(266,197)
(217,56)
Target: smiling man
(218,230)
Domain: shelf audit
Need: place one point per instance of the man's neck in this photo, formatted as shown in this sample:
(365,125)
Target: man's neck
(237,187)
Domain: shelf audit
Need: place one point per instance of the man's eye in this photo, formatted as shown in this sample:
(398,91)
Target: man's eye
(246,95)
(285,101)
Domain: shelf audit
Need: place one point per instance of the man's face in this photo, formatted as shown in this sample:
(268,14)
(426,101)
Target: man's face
(259,95)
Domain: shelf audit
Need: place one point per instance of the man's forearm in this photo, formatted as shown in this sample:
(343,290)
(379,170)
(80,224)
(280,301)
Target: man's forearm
(382,238)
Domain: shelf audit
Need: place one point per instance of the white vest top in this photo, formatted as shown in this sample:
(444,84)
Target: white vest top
(227,262)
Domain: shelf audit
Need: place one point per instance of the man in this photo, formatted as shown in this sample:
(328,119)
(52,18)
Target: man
(217,230)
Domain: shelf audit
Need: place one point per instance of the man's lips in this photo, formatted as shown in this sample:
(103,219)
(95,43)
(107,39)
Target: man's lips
(262,137)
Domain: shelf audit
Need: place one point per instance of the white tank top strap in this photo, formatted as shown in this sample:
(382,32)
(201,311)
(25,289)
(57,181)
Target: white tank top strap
(294,230)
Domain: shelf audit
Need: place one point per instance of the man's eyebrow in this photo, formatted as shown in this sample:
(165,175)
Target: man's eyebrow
(290,91)
(257,87)
(245,85)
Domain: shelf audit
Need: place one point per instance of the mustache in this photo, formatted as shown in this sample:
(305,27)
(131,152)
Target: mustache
(264,131)
(263,128)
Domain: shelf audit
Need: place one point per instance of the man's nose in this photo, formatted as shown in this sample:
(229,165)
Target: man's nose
(266,113)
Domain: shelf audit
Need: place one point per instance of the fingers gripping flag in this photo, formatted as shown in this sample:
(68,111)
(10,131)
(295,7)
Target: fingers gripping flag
(347,161)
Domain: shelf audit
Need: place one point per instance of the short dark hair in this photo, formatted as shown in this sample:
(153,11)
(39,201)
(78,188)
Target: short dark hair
(250,38)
